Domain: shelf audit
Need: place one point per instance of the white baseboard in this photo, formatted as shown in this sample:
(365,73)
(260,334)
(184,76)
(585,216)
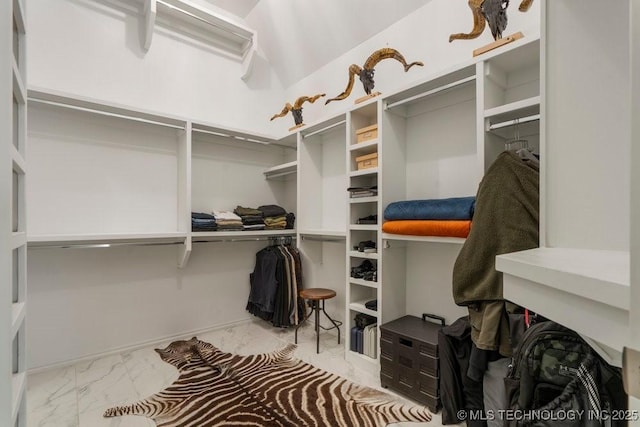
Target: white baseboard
(137,346)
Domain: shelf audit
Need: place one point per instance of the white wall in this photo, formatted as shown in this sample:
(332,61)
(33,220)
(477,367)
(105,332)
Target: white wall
(84,302)
(88,301)
(421,36)
(93,49)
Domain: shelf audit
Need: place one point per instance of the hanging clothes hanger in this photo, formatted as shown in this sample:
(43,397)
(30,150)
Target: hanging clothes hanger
(520,145)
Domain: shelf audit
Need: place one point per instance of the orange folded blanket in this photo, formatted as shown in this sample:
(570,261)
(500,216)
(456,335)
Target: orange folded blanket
(417,227)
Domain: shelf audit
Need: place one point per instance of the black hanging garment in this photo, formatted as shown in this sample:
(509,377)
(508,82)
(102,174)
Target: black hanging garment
(458,392)
(275,285)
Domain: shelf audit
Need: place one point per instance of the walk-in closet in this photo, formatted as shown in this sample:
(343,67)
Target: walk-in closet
(200,229)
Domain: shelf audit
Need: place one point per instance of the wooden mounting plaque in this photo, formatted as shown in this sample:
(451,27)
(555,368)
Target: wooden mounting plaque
(364,98)
(296,127)
(498,43)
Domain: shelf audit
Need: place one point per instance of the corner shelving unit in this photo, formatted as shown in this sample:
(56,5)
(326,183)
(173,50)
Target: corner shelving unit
(161,136)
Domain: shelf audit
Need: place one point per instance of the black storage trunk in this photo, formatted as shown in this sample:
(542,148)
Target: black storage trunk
(409,358)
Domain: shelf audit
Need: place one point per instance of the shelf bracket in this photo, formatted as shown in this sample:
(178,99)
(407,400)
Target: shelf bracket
(184,251)
(150,12)
(249,59)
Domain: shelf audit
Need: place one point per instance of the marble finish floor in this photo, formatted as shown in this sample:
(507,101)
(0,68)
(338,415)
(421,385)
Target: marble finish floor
(77,396)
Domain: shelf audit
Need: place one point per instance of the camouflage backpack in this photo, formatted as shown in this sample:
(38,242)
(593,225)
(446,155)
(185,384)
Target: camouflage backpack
(557,379)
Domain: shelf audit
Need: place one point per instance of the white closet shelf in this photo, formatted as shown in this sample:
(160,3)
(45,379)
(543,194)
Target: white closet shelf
(18,310)
(365,147)
(372,199)
(18,382)
(359,306)
(60,99)
(324,235)
(367,255)
(361,357)
(585,290)
(362,282)
(70,240)
(514,110)
(18,238)
(426,239)
(213,236)
(363,172)
(281,170)
(220,31)
(365,227)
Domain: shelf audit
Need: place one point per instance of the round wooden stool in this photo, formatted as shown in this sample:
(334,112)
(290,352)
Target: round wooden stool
(315,296)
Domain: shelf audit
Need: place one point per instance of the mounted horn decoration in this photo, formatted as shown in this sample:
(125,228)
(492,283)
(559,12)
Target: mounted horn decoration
(296,109)
(494,14)
(366,72)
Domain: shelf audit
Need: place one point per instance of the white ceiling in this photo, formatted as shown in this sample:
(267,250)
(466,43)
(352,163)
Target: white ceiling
(300,36)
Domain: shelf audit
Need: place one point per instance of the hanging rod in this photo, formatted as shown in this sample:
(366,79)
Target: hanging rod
(241,239)
(213,24)
(242,138)
(514,121)
(105,113)
(315,132)
(100,245)
(322,239)
(226,135)
(431,92)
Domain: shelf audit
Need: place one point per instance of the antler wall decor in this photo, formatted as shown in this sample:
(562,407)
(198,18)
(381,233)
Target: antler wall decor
(491,12)
(296,108)
(366,72)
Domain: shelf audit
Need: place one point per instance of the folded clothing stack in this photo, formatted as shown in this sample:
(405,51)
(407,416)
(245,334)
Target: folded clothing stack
(228,221)
(275,217)
(251,218)
(364,191)
(203,222)
(434,217)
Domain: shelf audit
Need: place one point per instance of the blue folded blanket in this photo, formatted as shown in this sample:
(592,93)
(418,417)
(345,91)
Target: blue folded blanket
(459,208)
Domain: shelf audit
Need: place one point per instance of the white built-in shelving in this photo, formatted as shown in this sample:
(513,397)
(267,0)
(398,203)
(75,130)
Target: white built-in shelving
(148,206)
(13,223)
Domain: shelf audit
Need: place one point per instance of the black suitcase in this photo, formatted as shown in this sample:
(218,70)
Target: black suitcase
(409,358)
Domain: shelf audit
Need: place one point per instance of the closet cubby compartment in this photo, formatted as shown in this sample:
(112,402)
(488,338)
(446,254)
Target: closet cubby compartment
(512,77)
(363,125)
(509,97)
(227,172)
(364,215)
(322,178)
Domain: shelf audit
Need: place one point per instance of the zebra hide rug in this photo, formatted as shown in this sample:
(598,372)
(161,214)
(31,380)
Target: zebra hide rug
(272,389)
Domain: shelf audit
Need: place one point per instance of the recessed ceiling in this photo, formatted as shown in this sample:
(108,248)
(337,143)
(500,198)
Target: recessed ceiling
(300,36)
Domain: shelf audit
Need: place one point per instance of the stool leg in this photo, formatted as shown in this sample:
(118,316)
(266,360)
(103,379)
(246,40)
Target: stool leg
(302,322)
(336,324)
(317,310)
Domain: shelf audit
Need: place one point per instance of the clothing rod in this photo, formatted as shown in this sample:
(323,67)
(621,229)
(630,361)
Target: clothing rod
(322,239)
(213,24)
(432,92)
(106,113)
(239,138)
(315,132)
(101,245)
(242,239)
(514,121)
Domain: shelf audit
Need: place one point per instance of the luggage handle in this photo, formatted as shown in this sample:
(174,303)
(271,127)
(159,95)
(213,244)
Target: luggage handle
(440,319)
